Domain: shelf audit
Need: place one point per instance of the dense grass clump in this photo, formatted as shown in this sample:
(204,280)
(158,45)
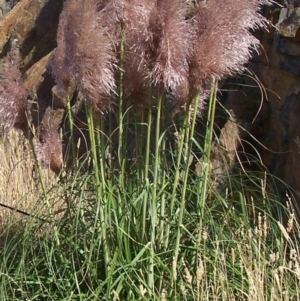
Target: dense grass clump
(153,230)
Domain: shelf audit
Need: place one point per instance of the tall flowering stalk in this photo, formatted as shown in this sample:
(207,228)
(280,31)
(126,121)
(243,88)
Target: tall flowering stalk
(84,60)
(121,49)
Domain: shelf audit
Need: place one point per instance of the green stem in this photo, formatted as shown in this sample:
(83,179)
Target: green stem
(205,174)
(181,137)
(146,168)
(71,122)
(163,165)
(190,131)
(121,110)
(153,203)
(149,124)
(100,185)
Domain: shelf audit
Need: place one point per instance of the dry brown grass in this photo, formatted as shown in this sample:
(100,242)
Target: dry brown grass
(20,185)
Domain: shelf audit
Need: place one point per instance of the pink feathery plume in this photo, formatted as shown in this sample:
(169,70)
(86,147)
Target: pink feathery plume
(49,149)
(84,57)
(13,96)
(136,17)
(171,44)
(136,20)
(222,39)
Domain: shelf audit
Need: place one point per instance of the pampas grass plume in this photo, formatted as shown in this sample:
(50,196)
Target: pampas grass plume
(179,53)
(49,147)
(222,39)
(136,19)
(13,96)
(171,42)
(84,55)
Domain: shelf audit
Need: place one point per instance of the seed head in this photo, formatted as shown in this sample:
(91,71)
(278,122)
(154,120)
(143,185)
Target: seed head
(13,96)
(84,56)
(222,39)
(49,147)
(170,44)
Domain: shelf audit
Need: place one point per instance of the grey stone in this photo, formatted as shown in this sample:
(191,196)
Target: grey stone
(6,6)
(289,21)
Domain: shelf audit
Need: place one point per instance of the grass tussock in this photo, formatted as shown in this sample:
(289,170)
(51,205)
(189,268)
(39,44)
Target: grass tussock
(158,232)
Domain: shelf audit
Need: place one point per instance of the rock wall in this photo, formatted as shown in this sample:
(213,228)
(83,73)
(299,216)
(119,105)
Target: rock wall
(269,107)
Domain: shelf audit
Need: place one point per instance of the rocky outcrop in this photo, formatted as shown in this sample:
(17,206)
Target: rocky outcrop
(29,29)
(266,106)
(279,73)
(7,26)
